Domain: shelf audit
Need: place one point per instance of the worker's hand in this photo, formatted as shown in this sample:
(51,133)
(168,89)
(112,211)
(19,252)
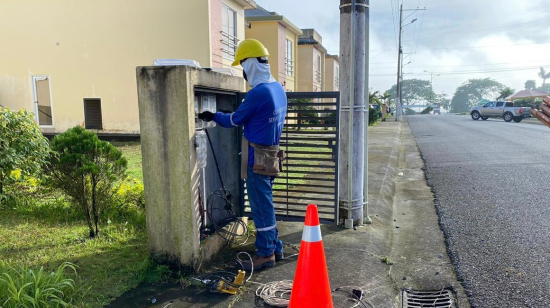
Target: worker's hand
(206,116)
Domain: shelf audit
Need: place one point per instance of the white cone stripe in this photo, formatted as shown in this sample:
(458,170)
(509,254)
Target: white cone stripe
(312,234)
(266,228)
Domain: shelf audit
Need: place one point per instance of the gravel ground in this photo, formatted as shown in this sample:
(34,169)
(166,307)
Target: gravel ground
(490,179)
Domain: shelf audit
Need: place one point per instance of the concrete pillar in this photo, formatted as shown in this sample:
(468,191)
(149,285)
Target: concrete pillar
(352,104)
(170,174)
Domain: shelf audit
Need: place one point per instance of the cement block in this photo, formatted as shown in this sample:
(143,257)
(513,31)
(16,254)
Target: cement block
(166,111)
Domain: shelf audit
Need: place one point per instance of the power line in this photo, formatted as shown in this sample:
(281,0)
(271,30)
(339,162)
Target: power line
(419,31)
(484,64)
(472,47)
(462,33)
(393,22)
(471,71)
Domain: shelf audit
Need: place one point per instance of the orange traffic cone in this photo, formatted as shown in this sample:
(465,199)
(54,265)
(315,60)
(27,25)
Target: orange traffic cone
(311,287)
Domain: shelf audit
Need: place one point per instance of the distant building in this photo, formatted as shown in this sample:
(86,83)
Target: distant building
(280,37)
(311,59)
(332,73)
(74,62)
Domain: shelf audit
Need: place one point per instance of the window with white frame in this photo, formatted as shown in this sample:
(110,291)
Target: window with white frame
(229,32)
(42,100)
(289,58)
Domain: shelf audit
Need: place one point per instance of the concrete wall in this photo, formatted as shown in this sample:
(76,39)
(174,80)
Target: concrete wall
(90,48)
(305,68)
(170,173)
(308,68)
(292,81)
(332,67)
(267,33)
(318,70)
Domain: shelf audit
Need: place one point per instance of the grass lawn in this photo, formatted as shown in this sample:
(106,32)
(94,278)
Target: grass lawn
(106,267)
(132,152)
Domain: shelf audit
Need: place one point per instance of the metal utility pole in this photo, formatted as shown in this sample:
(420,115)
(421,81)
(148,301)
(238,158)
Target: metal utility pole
(399,52)
(398,89)
(353,109)
(431,83)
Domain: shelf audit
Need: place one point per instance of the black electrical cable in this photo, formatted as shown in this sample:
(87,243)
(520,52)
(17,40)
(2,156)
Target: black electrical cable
(215,159)
(227,198)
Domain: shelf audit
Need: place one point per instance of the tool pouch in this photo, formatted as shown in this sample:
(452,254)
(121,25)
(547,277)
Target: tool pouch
(268,160)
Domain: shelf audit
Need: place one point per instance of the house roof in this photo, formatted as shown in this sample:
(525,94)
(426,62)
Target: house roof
(335,57)
(260,14)
(311,37)
(247,4)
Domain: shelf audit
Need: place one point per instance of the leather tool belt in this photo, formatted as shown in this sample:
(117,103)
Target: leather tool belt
(268,160)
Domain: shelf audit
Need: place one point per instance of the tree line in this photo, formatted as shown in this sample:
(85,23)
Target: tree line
(467,95)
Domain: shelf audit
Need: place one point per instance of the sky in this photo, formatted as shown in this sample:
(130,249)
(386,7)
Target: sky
(457,40)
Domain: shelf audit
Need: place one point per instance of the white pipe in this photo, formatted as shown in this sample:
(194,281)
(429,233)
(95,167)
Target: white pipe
(351,111)
(366,218)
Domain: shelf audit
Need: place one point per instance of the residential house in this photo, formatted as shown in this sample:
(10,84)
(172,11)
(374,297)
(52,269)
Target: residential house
(332,73)
(311,61)
(280,37)
(74,62)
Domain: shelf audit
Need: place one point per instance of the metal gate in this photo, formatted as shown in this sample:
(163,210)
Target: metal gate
(310,140)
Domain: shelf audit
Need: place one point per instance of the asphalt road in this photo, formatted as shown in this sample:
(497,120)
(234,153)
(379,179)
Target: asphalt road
(491,180)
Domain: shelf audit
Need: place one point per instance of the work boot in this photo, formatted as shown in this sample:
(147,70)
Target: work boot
(279,256)
(259,262)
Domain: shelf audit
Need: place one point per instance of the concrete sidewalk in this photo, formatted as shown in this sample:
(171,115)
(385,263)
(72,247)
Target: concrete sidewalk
(405,234)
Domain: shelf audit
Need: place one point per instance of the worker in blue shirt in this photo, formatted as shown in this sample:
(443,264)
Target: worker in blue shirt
(262,113)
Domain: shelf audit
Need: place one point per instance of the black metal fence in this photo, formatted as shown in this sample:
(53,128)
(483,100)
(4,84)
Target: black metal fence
(310,140)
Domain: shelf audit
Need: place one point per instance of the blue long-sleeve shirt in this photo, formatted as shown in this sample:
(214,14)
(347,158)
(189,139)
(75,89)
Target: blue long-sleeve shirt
(262,113)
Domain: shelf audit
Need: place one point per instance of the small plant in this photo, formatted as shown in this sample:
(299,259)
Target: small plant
(386,260)
(159,273)
(86,169)
(24,287)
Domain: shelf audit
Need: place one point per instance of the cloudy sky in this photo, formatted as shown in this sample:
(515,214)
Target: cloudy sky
(507,40)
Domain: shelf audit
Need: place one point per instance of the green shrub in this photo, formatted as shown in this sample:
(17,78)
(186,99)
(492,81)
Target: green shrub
(86,169)
(23,149)
(427,110)
(128,203)
(373,116)
(26,288)
(409,111)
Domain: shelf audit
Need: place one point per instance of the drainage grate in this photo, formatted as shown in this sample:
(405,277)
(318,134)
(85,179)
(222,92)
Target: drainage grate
(425,299)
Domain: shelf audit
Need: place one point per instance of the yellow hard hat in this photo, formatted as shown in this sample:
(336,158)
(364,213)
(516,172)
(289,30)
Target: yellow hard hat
(249,48)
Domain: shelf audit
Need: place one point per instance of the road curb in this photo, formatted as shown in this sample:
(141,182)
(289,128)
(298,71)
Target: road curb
(418,245)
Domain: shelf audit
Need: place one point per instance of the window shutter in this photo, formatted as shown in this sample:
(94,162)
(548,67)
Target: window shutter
(92,113)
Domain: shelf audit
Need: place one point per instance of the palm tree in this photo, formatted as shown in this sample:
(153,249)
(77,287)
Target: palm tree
(373,98)
(384,97)
(544,75)
(505,93)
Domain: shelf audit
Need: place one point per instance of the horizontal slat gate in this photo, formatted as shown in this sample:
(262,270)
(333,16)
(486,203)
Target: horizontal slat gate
(310,140)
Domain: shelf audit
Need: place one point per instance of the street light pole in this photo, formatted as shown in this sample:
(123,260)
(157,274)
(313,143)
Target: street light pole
(399,51)
(398,92)
(431,84)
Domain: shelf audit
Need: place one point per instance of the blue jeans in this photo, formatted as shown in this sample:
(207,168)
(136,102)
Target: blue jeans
(260,195)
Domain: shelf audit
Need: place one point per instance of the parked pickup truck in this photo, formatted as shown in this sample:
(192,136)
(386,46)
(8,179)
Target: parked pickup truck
(500,109)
